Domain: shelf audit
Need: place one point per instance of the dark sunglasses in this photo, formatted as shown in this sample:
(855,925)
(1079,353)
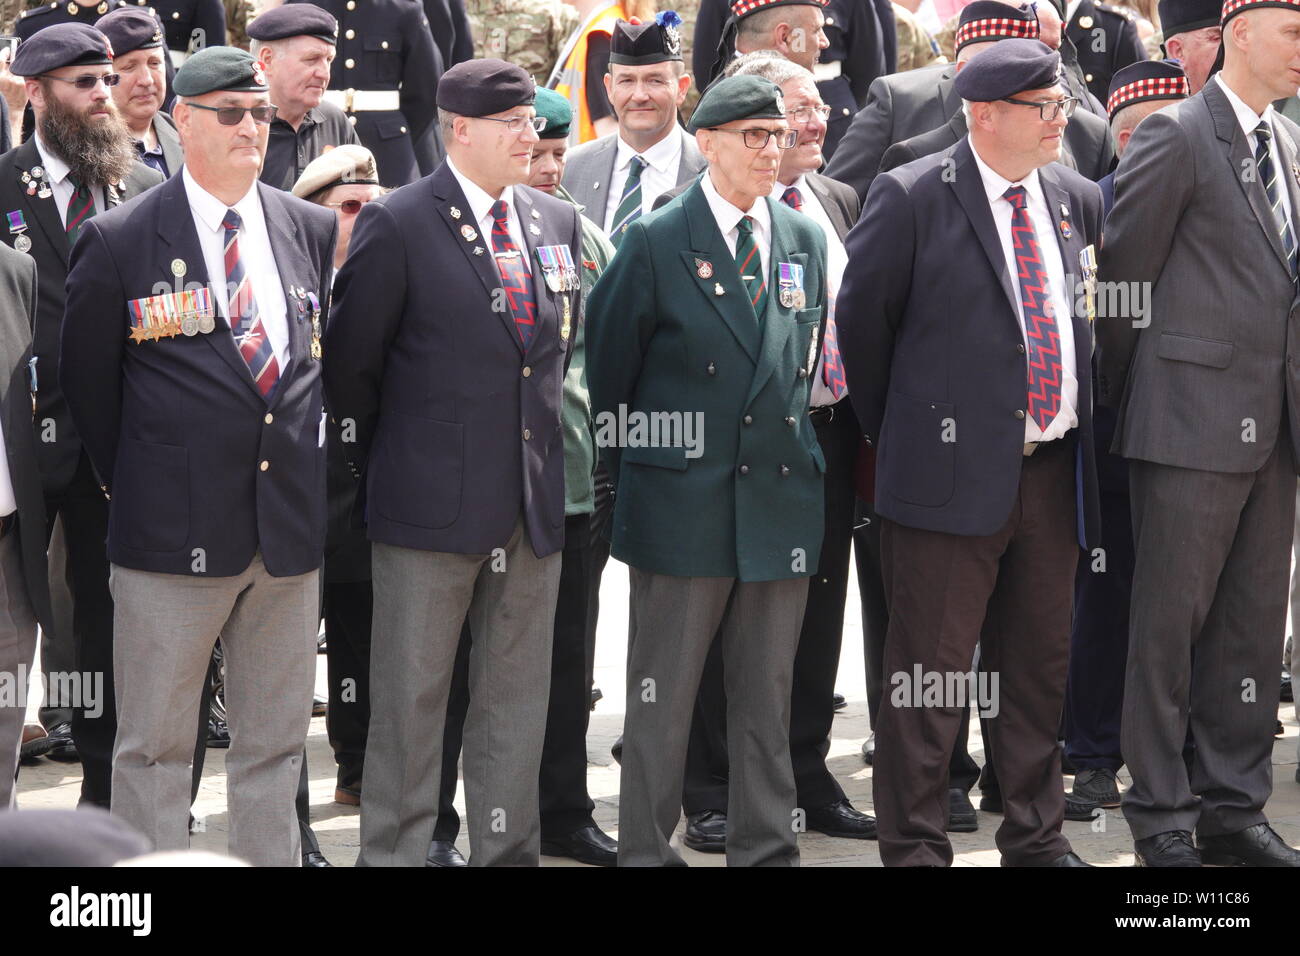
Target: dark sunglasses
(234,115)
(349,206)
(87,81)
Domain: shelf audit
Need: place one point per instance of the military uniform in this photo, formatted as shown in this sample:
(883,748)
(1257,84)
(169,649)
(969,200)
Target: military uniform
(238,15)
(916,48)
(1107,40)
(528,33)
(47,14)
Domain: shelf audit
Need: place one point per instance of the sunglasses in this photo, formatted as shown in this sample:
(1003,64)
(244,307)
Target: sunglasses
(349,206)
(234,115)
(87,81)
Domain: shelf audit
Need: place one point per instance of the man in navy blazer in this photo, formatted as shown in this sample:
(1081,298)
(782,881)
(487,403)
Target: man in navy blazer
(191,363)
(455,313)
(968,365)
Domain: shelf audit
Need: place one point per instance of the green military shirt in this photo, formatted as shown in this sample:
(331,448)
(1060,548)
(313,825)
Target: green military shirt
(527,33)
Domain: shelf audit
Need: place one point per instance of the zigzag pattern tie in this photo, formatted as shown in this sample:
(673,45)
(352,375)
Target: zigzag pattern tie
(750,264)
(245,322)
(832,367)
(1041,333)
(629,204)
(516,280)
(80,208)
(1268,176)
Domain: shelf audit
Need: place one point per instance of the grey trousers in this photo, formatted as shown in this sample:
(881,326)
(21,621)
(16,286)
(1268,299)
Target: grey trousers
(17,651)
(673,623)
(165,626)
(421,600)
(1209,601)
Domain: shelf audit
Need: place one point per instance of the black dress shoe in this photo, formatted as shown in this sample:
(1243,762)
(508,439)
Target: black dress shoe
(596,697)
(869,749)
(706,832)
(1081,811)
(319,705)
(61,745)
(1288,695)
(444,853)
(616,751)
(962,817)
(315,859)
(1169,849)
(1099,786)
(590,845)
(1253,846)
(1066,859)
(36,742)
(838,702)
(1067,767)
(991,801)
(218,734)
(842,819)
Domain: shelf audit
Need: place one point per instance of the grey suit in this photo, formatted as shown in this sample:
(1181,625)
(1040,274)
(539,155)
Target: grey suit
(1209,412)
(589,170)
(164,127)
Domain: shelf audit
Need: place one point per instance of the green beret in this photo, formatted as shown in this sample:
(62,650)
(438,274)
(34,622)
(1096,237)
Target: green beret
(738,98)
(558,113)
(225,68)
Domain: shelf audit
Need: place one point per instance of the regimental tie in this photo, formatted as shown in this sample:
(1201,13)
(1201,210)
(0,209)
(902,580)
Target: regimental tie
(1042,336)
(245,321)
(750,264)
(832,367)
(516,280)
(629,204)
(80,208)
(1276,195)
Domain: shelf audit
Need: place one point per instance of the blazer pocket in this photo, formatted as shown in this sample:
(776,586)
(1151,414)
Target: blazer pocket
(419,470)
(385,56)
(916,463)
(1189,348)
(151,496)
(672,458)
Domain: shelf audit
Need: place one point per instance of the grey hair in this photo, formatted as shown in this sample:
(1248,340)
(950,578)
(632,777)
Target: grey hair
(768,64)
(445,119)
(965,111)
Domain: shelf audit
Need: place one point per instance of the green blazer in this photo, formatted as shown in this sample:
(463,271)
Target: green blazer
(745,501)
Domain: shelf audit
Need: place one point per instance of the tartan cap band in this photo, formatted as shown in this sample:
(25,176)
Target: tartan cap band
(1000,28)
(1150,88)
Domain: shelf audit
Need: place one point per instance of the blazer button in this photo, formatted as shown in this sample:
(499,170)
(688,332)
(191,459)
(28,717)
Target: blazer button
(744,469)
(352,4)
(785,470)
(527,371)
(1020,414)
(1020,349)
(712,369)
(748,419)
(790,420)
(866,441)
(349,63)
(349,34)
(1087,77)
(269,418)
(527,435)
(264,465)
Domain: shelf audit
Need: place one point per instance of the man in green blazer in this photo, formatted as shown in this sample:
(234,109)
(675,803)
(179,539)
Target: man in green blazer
(701,338)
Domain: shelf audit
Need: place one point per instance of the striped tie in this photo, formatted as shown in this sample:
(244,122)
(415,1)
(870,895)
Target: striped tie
(245,322)
(750,264)
(1041,334)
(832,367)
(1276,197)
(516,280)
(80,208)
(629,205)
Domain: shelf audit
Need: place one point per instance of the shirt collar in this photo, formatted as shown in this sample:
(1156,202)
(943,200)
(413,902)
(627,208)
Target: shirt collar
(480,203)
(56,170)
(660,156)
(800,184)
(728,215)
(211,211)
(995,184)
(1246,116)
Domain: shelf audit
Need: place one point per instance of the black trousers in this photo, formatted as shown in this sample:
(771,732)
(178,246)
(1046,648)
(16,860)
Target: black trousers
(347,607)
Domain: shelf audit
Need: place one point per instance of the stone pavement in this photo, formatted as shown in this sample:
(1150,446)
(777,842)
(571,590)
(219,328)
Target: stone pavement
(47,784)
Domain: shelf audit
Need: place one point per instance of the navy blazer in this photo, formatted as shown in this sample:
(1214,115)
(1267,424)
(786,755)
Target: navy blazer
(201,470)
(929,333)
(456,425)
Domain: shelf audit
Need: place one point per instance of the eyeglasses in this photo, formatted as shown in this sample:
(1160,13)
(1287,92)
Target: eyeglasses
(349,206)
(804,114)
(87,81)
(757,138)
(516,124)
(234,115)
(1048,110)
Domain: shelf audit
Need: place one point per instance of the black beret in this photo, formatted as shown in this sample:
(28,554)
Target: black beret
(743,8)
(1007,68)
(557,112)
(1184,16)
(224,68)
(64,44)
(131,28)
(1233,7)
(1147,80)
(736,98)
(639,44)
(484,87)
(295,20)
(986,21)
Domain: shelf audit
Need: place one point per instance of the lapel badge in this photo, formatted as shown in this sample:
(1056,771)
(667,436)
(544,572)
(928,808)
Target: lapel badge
(1085,22)
(455,213)
(478,250)
(45,192)
(178,267)
(31,189)
(703,269)
(1065,210)
(717,288)
(535,214)
(468,232)
(27,177)
(37,172)
(533,228)
(1066,231)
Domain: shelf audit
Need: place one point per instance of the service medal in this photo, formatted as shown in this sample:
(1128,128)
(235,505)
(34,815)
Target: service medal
(23,244)
(207,323)
(787,298)
(190,324)
(568,316)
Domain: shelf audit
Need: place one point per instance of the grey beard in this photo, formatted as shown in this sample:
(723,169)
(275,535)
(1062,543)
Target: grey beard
(98,153)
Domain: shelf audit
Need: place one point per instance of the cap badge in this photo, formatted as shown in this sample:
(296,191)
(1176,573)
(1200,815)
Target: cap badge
(703,269)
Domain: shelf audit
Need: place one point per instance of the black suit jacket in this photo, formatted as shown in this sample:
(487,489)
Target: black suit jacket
(196,461)
(59,455)
(17,311)
(457,426)
(931,341)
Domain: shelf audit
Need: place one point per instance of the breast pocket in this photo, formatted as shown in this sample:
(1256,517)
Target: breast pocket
(383,55)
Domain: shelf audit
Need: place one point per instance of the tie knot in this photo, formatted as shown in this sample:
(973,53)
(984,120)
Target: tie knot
(1263,132)
(231,221)
(636,166)
(1015,195)
(792,198)
(746,226)
(499,213)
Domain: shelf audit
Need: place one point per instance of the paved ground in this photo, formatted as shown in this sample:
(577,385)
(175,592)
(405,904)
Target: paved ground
(1104,842)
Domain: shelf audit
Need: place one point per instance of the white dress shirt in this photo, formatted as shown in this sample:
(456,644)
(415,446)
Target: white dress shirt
(836,261)
(255,253)
(480,207)
(659,176)
(1045,226)
(8,503)
(56,174)
(1249,119)
(728,218)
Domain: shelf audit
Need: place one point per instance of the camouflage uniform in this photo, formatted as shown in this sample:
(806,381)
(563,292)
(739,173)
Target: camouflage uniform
(916,48)
(528,33)
(238,13)
(947,37)
(688,10)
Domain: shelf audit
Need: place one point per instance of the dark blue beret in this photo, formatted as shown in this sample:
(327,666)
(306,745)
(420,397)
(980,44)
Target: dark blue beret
(64,44)
(1006,68)
(1184,16)
(295,20)
(131,28)
(220,68)
(737,98)
(1147,80)
(484,87)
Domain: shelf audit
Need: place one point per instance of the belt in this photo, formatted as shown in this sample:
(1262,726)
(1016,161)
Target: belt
(827,71)
(1045,446)
(8,523)
(355,101)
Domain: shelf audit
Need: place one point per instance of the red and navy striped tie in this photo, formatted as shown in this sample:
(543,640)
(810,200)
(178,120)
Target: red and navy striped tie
(516,280)
(1041,334)
(245,322)
(80,208)
(832,367)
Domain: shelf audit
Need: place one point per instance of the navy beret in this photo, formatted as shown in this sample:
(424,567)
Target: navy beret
(1184,16)
(1147,80)
(639,44)
(295,20)
(220,68)
(736,98)
(985,21)
(131,28)
(1007,68)
(557,112)
(484,87)
(64,44)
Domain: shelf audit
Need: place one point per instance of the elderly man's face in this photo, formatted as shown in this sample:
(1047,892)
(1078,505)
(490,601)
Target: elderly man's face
(346,201)
(298,72)
(802,105)
(213,146)
(741,173)
(1197,49)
